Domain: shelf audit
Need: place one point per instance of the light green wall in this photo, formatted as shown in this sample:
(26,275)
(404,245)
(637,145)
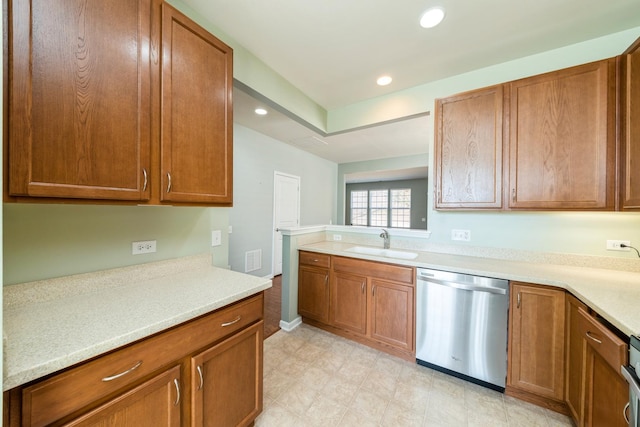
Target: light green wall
(44,240)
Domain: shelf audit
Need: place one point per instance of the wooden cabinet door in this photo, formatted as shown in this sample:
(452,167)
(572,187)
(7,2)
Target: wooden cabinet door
(348,309)
(630,128)
(313,293)
(536,340)
(197,121)
(155,402)
(562,139)
(575,354)
(79,122)
(468,150)
(392,314)
(605,391)
(226,389)
(606,394)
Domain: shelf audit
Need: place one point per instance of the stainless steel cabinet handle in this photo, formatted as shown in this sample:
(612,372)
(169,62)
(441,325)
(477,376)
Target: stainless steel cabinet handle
(168,182)
(144,185)
(362,287)
(236,320)
(373,291)
(175,382)
(326,279)
(462,286)
(588,334)
(625,412)
(201,379)
(518,305)
(122,374)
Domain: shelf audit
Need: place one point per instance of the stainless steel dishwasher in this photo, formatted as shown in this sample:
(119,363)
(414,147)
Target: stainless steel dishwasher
(461,325)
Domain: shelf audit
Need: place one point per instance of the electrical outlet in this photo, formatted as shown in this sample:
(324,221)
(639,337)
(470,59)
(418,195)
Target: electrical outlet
(614,245)
(337,237)
(143,247)
(463,235)
(216,238)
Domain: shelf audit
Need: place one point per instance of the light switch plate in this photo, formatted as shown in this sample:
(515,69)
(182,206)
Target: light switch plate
(216,238)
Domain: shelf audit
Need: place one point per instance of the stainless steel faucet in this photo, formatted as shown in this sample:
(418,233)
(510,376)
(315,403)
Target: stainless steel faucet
(385,236)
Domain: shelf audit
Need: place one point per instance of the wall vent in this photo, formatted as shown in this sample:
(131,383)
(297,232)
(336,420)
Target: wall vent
(253,260)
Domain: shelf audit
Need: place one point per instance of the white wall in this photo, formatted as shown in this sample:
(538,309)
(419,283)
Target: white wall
(256,158)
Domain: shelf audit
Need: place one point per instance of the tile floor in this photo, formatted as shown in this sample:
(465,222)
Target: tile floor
(314,378)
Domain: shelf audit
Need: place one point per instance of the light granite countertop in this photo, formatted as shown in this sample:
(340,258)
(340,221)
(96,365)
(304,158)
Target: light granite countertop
(613,294)
(53,324)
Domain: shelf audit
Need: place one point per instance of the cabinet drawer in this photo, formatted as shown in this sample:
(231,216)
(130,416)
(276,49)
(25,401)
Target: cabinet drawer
(91,382)
(607,344)
(396,273)
(312,258)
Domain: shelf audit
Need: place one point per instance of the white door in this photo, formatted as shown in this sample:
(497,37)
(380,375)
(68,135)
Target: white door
(286,203)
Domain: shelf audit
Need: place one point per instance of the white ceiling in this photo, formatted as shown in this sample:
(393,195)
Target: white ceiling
(333,51)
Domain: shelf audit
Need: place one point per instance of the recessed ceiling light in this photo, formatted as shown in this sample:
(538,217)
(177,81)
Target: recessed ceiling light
(384,80)
(432,17)
(260,111)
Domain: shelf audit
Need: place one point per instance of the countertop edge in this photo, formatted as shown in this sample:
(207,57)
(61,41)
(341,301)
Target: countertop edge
(576,280)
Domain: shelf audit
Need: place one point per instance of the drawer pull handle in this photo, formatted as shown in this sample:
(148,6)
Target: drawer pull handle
(201,379)
(588,334)
(175,382)
(316,260)
(236,320)
(122,374)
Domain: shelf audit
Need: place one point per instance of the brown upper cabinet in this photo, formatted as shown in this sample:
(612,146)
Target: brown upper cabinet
(556,149)
(562,139)
(102,108)
(197,123)
(468,147)
(630,128)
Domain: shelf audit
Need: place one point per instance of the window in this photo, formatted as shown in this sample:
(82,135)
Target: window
(401,208)
(381,208)
(359,207)
(378,207)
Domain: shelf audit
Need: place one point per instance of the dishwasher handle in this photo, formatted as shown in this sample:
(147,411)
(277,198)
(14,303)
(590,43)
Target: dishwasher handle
(463,286)
(634,386)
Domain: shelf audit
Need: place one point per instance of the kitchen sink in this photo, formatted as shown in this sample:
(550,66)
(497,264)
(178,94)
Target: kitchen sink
(387,253)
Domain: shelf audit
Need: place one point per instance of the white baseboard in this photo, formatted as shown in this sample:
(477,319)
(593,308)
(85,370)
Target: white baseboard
(290,326)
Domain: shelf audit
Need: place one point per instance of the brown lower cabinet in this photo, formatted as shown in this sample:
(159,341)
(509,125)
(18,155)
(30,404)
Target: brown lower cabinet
(596,391)
(366,301)
(561,356)
(207,371)
(536,345)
